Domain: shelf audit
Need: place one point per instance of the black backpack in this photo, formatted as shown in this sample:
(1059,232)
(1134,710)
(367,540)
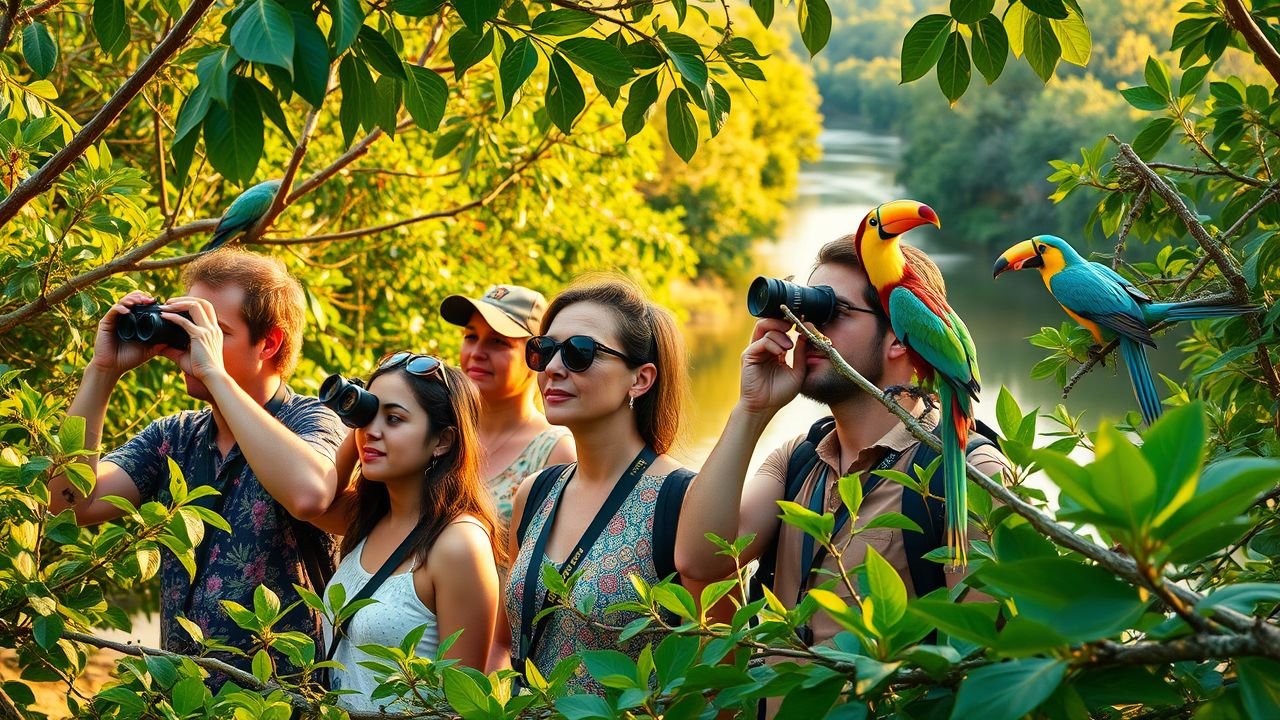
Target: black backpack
(666,515)
(926,575)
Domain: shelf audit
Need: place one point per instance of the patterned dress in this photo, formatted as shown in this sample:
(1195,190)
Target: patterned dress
(624,548)
(530,460)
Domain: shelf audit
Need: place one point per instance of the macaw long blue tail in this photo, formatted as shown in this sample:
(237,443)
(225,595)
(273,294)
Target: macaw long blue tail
(1144,386)
(1176,312)
(955,437)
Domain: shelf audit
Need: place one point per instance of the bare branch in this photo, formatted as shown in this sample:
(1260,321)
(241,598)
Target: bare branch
(280,200)
(7,21)
(1240,19)
(1139,202)
(42,179)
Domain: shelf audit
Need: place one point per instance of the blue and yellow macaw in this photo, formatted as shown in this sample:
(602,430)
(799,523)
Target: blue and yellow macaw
(938,343)
(1109,306)
(243,213)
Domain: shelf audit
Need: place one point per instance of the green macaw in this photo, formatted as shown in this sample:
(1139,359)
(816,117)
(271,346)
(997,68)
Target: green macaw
(937,342)
(1108,306)
(243,213)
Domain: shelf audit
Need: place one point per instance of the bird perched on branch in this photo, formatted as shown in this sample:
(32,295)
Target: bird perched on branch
(243,213)
(937,341)
(1106,304)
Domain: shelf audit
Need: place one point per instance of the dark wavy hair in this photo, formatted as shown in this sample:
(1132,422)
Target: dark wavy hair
(452,486)
(645,330)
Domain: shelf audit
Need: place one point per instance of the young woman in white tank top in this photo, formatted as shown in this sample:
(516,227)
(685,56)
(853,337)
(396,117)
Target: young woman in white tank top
(419,485)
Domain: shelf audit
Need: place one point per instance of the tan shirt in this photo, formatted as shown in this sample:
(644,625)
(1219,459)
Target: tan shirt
(885,497)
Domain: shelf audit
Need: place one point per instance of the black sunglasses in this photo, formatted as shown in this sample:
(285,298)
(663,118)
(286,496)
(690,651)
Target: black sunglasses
(579,351)
(414,364)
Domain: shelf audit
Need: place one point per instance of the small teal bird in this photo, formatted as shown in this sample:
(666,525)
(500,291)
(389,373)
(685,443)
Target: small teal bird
(1107,305)
(244,212)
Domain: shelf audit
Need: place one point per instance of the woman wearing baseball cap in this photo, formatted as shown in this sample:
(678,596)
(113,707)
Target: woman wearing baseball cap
(515,435)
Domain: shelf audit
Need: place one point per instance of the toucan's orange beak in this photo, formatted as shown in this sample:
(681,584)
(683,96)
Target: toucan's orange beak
(1022,256)
(900,216)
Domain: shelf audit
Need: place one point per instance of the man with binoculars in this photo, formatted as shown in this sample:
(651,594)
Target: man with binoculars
(236,337)
(862,435)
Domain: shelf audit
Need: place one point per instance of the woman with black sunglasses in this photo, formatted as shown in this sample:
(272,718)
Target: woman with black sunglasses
(611,368)
(422,536)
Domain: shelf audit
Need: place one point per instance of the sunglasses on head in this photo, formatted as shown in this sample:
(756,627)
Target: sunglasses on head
(413,363)
(577,352)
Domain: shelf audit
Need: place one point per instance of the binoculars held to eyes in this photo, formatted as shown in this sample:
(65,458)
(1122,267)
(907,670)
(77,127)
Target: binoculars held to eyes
(143,325)
(812,304)
(355,406)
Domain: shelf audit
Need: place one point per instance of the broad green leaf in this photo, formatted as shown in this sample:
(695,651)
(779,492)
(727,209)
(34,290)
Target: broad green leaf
(1008,414)
(584,707)
(518,63)
(348,17)
(234,137)
(111,26)
(1157,76)
(264,34)
(686,55)
(971,11)
(1154,135)
(1074,38)
(604,61)
(641,97)
(311,60)
(973,622)
(895,520)
(815,24)
(381,55)
(1043,50)
(47,630)
(476,12)
(81,477)
(1008,690)
(1175,449)
(1081,602)
(39,49)
(562,21)
(467,48)
(1243,597)
(610,668)
(1259,685)
(888,594)
(1015,26)
(764,10)
(954,71)
(923,46)
(1048,8)
(1123,482)
(718,103)
(1144,98)
(564,98)
(425,96)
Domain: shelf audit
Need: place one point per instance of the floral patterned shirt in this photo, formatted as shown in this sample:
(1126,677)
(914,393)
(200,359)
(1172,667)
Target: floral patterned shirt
(262,547)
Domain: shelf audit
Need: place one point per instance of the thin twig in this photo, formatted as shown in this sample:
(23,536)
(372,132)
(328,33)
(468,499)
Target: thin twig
(7,21)
(280,200)
(1189,170)
(1139,202)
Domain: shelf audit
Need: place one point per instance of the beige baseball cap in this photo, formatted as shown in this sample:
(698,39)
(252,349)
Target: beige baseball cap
(511,310)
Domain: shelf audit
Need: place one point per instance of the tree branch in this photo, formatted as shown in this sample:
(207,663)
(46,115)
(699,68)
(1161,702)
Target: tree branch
(43,179)
(1240,19)
(280,200)
(7,22)
(1255,182)
(1139,202)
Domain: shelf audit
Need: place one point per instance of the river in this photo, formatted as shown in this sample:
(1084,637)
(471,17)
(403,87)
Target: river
(856,173)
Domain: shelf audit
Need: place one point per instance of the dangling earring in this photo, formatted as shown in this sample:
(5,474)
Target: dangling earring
(432,466)
(631,402)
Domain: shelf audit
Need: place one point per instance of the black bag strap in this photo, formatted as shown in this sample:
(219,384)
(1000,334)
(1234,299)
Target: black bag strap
(530,631)
(802,461)
(930,515)
(384,572)
(666,521)
(537,496)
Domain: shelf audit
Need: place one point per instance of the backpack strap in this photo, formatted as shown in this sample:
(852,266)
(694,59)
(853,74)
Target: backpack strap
(666,521)
(802,461)
(537,496)
(930,515)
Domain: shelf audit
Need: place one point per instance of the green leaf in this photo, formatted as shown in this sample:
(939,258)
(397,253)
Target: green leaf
(641,97)
(348,17)
(1015,26)
(795,514)
(1259,685)
(1008,690)
(563,21)
(39,49)
(686,55)
(465,694)
(1157,76)
(1048,8)
(610,668)
(990,47)
(189,695)
(894,520)
(1225,491)
(1154,135)
(110,25)
(476,12)
(764,10)
(47,630)
(954,71)
(1144,98)
(311,60)
(604,61)
(381,55)
(1042,46)
(973,622)
(718,103)
(1081,602)
(971,11)
(1130,504)
(81,477)
(1175,449)
(1074,38)
(885,605)
(425,96)
(467,48)
(923,46)
(264,34)
(815,24)
(234,136)
(564,98)
(1192,80)
(1243,598)
(518,63)
(584,707)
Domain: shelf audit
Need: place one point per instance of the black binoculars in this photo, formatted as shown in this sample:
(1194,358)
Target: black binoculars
(144,325)
(355,406)
(766,296)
